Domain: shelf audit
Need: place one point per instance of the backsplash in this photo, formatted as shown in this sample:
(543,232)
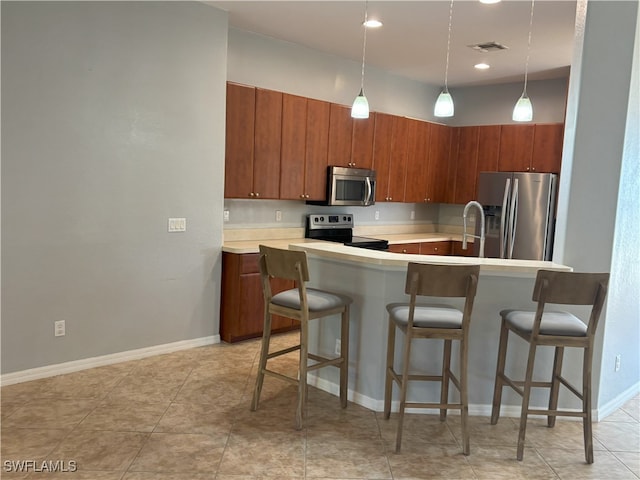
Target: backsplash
(263,214)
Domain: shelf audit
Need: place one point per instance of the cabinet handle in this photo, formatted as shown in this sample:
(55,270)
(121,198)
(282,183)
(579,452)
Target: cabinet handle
(527,169)
(306,196)
(435,249)
(257,194)
(404,250)
(302,195)
(251,194)
(390,198)
(533,169)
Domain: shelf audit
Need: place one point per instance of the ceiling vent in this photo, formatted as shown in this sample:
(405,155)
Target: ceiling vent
(488,47)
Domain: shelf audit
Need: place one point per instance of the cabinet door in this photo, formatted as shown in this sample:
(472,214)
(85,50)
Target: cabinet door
(466,166)
(294,133)
(438,175)
(317,150)
(418,134)
(456,249)
(452,166)
(238,179)
(362,142)
(382,154)
(267,143)
(488,147)
(547,148)
(516,148)
(435,248)
(398,159)
(340,133)
(405,248)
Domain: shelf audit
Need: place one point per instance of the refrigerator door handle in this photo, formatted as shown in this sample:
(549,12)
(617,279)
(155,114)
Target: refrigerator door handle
(513,217)
(503,217)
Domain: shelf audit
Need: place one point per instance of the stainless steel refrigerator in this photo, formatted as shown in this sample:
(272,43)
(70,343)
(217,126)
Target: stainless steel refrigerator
(519,211)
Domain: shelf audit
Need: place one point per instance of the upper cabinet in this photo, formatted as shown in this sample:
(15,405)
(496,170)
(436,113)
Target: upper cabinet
(547,147)
(531,148)
(253,141)
(241,106)
(362,142)
(279,146)
(340,134)
(305,138)
(417,181)
(516,148)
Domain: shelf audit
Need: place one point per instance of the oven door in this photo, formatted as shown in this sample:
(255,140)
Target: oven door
(353,187)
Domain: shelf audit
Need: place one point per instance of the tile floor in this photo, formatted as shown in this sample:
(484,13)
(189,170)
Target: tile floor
(185,416)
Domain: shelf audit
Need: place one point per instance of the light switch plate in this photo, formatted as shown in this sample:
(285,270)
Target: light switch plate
(177,225)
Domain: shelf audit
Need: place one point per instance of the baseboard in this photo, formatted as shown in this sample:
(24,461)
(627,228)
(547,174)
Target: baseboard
(476,410)
(614,404)
(86,363)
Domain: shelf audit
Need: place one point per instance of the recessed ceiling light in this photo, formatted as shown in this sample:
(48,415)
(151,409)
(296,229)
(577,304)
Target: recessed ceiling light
(490,1)
(372,23)
(481,66)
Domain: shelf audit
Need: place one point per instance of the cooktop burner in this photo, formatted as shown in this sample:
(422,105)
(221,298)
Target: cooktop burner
(339,228)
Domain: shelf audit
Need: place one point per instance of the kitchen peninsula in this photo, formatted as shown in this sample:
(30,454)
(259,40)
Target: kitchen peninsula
(374,279)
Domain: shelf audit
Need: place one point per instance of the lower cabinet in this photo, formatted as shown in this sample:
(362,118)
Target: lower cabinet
(242,303)
(405,248)
(456,249)
(433,248)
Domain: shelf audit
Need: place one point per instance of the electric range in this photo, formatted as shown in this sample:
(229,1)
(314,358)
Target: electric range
(339,228)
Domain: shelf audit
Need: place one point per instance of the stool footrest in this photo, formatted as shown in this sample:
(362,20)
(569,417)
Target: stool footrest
(439,406)
(284,351)
(556,413)
(280,376)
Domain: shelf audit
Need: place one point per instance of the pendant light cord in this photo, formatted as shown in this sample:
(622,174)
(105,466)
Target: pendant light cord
(526,64)
(364,45)
(446,68)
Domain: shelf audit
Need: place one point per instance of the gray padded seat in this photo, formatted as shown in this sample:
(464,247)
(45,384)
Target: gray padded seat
(426,316)
(553,323)
(317,300)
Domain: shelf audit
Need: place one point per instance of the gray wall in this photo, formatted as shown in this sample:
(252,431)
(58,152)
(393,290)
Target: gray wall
(598,210)
(112,121)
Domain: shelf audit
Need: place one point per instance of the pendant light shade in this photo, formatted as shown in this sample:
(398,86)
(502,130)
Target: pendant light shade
(360,108)
(523,111)
(444,103)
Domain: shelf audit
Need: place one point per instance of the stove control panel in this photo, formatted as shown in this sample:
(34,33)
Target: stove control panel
(325,221)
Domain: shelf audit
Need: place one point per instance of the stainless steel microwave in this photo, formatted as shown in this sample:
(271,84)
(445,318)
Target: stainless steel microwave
(350,186)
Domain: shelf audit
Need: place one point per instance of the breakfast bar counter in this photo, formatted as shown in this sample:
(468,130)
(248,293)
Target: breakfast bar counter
(374,278)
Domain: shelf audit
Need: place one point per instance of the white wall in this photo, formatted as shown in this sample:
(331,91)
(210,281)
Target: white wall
(597,226)
(623,306)
(112,121)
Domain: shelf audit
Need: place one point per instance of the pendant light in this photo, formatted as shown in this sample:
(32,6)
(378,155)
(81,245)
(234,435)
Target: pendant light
(444,103)
(360,108)
(523,111)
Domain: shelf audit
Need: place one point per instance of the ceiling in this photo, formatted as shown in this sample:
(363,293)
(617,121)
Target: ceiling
(413,40)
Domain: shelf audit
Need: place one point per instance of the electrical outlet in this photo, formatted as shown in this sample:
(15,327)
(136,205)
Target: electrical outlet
(278,215)
(377,215)
(412,216)
(225,215)
(59,328)
(617,367)
(338,346)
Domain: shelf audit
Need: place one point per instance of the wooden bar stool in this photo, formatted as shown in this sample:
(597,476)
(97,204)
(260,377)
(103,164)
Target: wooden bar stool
(432,321)
(301,304)
(560,330)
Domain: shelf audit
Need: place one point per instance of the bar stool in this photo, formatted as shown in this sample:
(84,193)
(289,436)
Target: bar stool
(301,304)
(432,321)
(557,329)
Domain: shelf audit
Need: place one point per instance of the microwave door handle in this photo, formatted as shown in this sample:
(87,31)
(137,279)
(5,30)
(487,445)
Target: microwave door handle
(503,217)
(367,199)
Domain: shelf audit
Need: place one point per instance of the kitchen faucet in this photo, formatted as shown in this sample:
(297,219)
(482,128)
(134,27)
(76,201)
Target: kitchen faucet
(473,203)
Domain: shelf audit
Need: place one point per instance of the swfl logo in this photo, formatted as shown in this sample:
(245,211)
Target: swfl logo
(40,466)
